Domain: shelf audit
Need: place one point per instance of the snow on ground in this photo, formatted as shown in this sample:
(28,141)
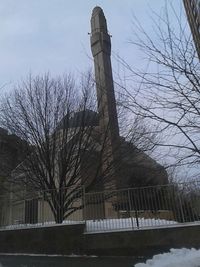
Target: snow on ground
(125,223)
(103,225)
(175,258)
(36,225)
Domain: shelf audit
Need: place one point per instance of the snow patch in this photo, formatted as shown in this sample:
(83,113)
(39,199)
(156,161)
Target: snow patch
(175,258)
(108,225)
(125,224)
(48,255)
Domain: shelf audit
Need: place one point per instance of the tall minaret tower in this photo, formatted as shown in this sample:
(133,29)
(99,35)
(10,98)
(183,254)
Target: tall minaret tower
(101,50)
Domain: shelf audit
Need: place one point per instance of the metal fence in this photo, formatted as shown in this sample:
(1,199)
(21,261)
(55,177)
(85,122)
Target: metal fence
(24,208)
(126,209)
(145,207)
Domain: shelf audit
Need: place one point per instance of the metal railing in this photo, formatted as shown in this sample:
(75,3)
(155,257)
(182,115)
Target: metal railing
(144,207)
(31,209)
(126,209)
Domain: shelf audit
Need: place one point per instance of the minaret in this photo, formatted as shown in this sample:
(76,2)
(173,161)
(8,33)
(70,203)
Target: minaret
(101,50)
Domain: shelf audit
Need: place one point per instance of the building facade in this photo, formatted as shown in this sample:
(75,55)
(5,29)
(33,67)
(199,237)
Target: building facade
(192,9)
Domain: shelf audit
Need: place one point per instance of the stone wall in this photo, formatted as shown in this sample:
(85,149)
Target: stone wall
(71,239)
(61,239)
(142,243)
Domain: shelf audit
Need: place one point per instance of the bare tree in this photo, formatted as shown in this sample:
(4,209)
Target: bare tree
(58,121)
(166,92)
(65,150)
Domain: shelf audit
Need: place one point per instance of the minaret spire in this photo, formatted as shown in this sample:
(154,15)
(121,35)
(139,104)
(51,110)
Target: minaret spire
(101,50)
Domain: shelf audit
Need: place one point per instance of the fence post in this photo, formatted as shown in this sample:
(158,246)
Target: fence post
(43,207)
(10,209)
(84,205)
(24,209)
(181,207)
(136,211)
(130,208)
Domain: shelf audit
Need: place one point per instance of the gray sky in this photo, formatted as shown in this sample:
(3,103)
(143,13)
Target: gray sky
(52,35)
(41,36)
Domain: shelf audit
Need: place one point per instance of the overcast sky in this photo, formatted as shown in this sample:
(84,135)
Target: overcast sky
(39,36)
(52,35)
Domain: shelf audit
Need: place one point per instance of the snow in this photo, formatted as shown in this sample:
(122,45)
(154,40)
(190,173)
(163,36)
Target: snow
(37,225)
(107,225)
(102,225)
(125,224)
(175,258)
(48,255)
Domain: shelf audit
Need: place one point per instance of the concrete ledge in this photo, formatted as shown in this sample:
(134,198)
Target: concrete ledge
(143,242)
(70,239)
(61,239)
